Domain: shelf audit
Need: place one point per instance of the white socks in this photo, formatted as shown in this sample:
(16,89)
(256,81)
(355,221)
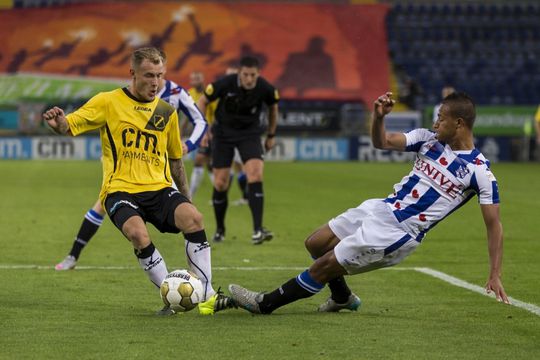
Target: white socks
(200,262)
(196,178)
(153,265)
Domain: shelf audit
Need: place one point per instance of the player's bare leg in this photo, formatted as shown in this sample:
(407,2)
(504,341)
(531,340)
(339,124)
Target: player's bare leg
(150,260)
(320,242)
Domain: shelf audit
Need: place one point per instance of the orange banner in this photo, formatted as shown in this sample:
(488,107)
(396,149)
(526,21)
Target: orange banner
(309,51)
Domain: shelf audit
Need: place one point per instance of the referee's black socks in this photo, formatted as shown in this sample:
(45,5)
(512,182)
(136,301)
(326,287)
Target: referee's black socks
(256,203)
(220,201)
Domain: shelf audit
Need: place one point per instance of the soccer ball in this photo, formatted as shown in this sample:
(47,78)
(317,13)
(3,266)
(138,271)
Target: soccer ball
(181,290)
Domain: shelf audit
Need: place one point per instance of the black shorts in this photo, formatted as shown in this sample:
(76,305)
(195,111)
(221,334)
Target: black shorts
(223,151)
(155,207)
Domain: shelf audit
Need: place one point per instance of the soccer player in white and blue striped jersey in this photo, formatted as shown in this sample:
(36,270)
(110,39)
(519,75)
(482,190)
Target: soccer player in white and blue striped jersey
(180,99)
(447,172)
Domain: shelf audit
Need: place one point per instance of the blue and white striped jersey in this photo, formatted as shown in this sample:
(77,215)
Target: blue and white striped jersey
(180,99)
(441,181)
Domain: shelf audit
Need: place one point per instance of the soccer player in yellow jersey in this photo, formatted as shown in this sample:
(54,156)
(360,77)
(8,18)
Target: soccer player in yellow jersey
(142,155)
(178,98)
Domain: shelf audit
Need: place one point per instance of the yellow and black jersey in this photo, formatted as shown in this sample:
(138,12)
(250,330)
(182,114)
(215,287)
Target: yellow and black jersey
(138,138)
(210,107)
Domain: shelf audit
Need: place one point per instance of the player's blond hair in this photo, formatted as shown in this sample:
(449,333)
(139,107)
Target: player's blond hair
(152,54)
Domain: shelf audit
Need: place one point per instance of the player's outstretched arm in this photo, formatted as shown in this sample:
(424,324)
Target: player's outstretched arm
(495,250)
(178,173)
(382,140)
(56,119)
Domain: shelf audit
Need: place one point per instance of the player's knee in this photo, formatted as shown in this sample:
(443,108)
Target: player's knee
(326,268)
(198,162)
(315,245)
(221,184)
(197,220)
(189,219)
(309,243)
(139,237)
(254,177)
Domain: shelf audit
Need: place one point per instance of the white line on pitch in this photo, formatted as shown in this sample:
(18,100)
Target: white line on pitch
(475,288)
(217,268)
(428,271)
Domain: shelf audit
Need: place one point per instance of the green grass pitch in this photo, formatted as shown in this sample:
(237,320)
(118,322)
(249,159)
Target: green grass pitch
(99,313)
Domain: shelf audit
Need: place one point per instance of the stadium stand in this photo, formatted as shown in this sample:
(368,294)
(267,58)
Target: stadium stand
(488,50)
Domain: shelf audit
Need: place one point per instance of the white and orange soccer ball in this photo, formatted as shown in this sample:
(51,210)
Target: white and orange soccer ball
(181,290)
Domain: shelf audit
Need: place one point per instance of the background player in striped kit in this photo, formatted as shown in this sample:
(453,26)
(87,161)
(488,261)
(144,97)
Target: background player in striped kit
(448,171)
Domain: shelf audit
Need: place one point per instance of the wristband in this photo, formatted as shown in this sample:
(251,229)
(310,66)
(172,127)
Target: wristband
(269,136)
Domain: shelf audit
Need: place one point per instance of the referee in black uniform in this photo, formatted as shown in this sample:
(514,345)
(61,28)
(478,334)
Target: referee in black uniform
(238,125)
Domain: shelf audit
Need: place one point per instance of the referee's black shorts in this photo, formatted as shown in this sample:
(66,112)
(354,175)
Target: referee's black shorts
(155,207)
(223,150)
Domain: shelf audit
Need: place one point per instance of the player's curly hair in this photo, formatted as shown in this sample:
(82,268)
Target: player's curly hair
(152,54)
(461,105)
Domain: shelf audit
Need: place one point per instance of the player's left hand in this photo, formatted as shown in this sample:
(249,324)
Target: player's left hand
(269,143)
(494,284)
(185,149)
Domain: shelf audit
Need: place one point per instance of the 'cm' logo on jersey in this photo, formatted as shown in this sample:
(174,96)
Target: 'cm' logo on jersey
(132,138)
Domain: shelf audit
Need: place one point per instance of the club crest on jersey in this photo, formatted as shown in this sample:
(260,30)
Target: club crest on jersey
(159,122)
(462,171)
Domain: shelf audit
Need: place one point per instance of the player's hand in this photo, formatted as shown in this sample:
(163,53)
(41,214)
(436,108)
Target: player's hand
(56,119)
(185,149)
(494,284)
(52,116)
(383,105)
(269,143)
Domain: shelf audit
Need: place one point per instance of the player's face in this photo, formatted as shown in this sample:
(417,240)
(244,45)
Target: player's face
(248,77)
(146,79)
(445,126)
(196,81)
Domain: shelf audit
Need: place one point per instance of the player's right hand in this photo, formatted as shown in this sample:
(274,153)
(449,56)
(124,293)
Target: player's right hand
(52,116)
(494,284)
(383,105)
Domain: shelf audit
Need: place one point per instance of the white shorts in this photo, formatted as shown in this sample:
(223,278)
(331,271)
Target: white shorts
(371,238)
(237,158)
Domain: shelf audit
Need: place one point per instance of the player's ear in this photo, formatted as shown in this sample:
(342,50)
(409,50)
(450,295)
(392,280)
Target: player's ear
(132,73)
